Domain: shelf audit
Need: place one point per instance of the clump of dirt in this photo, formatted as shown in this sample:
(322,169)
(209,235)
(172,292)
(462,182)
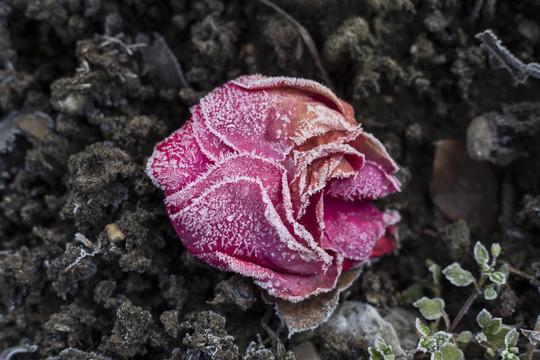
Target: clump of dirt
(90,266)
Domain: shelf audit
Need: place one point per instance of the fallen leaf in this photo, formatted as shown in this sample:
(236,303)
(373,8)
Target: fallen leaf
(462,188)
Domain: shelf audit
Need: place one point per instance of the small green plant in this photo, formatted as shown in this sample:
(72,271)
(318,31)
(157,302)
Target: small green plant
(497,339)
(381,351)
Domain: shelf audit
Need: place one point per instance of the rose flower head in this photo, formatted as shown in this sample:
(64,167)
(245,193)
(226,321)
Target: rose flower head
(271,178)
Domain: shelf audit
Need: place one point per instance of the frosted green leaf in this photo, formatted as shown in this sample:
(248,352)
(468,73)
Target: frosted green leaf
(506,355)
(503,269)
(458,276)
(484,318)
(490,293)
(451,352)
(481,337)
(498,278)
(465,336)
(427,344)
(494,326)
(441,338)
(495,250)
(435,270)
(481,254)
(490,353)
(431,309)
(380,345)
(436,355)
(485,267)
(422,329)
(511,338)
(381,351)
(373,354)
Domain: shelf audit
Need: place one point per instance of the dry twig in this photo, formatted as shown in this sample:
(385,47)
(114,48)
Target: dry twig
(308,40)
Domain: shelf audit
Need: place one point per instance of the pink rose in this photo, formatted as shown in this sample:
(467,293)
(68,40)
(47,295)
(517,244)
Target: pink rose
(271,179)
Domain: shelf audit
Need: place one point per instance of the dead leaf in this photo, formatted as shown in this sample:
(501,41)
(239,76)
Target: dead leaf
(462,188)
(313,311)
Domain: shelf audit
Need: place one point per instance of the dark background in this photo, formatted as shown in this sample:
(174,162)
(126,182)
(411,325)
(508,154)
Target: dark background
(88,259)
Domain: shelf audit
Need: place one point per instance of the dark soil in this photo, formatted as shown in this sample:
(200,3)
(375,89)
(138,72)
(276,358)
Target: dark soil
(90,267)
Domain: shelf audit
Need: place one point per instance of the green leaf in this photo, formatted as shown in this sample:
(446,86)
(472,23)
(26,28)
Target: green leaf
(427,344)
(497,339)
(495,250)
(436,355)
(509,356)
(490,353)
(422,329)
(374,354)
(441,338)
(464,336)
(435,273)
(483,319)
(503,269)
(498,278)
(494,326)
(451,352)
(490,293)
(389,357)
(435,270)
(458,276)
(380,345)
(431,309)
(511,338)
(480,254)
(485,267)
(481,337)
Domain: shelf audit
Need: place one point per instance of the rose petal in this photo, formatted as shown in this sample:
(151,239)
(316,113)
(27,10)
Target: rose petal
(177,160)
(374,179)
(388,242)
(319,91)
(355,227)
(269,173)
(211,145)
(237,219)
(310,171)
(270,122)
(273,178)
(371,182)
(374,151)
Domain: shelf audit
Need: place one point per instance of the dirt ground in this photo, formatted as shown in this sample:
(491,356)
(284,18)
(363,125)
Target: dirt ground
(90,267)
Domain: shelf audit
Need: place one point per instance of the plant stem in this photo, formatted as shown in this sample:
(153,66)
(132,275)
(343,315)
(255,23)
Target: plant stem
(530,349)
(464,309)
(307,40)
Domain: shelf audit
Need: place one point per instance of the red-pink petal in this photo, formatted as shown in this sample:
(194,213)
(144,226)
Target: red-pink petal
(374,151)
(317,90)
(243,165)
(236,217)
(273,179)
(355,227)
(371,182)
(291,287)
(211,145)
(271,122)
(374,180)
(310,171)
(388,242)
(177,160)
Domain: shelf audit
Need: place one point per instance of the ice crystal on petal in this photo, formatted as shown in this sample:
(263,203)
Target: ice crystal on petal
(177,161)
(270,179)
